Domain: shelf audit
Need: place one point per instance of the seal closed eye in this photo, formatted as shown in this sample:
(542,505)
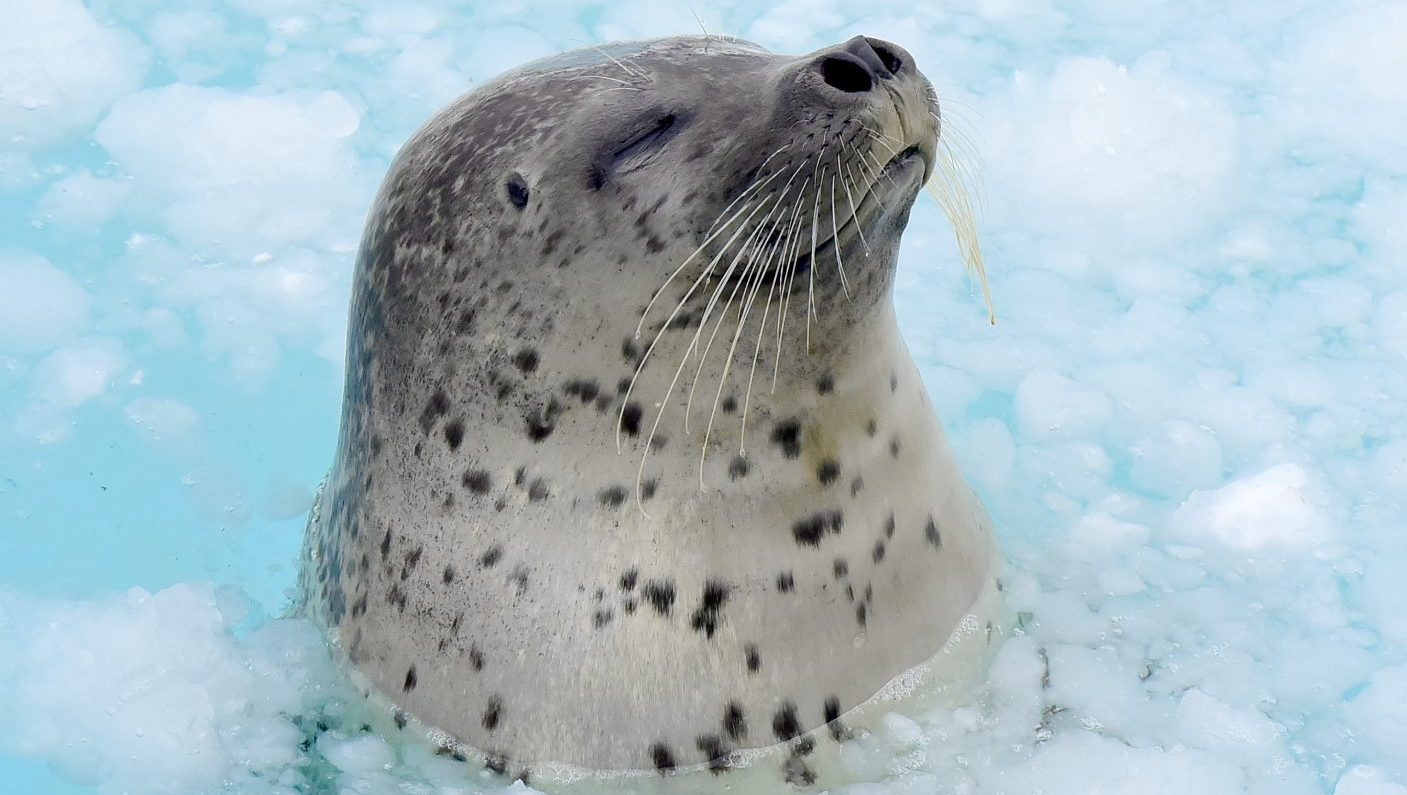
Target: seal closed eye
(635,470)
(645,144)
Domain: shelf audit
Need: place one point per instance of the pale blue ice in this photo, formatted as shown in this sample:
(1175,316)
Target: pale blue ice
(1189,423)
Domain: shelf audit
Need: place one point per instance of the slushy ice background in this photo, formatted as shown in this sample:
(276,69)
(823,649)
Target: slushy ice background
(1189,422)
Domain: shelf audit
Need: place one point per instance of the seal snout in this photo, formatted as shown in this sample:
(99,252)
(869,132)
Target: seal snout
(856,66)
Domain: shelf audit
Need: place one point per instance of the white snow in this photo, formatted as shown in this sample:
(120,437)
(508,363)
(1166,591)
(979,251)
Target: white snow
(60,68)
(41,306)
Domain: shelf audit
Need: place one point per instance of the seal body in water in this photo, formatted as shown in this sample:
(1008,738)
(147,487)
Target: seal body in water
(635,470)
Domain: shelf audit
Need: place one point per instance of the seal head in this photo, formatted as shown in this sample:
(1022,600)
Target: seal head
(635,470)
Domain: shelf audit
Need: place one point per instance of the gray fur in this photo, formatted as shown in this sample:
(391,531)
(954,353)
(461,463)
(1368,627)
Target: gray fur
(478,553)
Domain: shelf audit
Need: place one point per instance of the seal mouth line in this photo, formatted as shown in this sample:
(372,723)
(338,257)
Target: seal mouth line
(864,206)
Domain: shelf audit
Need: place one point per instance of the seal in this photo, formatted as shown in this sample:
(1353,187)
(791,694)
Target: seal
(635,471)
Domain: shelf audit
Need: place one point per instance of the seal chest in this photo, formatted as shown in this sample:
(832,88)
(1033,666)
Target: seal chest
(635,471)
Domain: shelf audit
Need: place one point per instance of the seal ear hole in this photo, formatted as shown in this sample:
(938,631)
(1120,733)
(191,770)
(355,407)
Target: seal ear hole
(517,190)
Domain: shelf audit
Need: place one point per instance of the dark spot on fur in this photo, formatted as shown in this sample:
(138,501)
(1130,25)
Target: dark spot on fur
(491,556)
(784,723)
(738,468)
(856,485)
(386,544)
(537,490)
(628,579)
(412,559)
(930,532)
(871,428)
(729,404)
(662,757)
(454,433)
(894,447)
(602,617)
(525,360)
(493,713)
(630,418)
(583,390)
(395,596)
(707,614)
(840,569)
(832,711)
(400,719)
(476,658)
(477,481)
(808,531)
(660,595)
(542,422)
(889,526)
(612,497)
(825,384)
(877,554)
(449,575)
(434,409)
(785,582)
(409,684)
(827,472)
(787,435)
(862,614)
(734,724)
(753,658)
(711,746)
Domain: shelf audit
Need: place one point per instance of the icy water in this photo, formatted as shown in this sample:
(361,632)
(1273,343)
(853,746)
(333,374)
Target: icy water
(1190,422)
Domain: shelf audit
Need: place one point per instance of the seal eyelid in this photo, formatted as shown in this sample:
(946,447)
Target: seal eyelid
(655,134)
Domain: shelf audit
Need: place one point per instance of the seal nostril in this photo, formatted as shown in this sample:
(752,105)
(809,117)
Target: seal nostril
(892,62)
(846,73)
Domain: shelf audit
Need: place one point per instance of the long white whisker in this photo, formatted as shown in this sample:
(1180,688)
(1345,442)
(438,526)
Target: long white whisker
(835,245)
(748,246)
(854,213)
(794,238)
(625,399)
(713,235)
(754,277)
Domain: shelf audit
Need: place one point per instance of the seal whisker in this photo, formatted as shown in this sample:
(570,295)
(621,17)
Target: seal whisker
(835,245)
(949,190)
(659,413)
(625,399)
(779,252)
(722,283)
(883,138)
(794,238)
(754,276)
(880,168)
(865,172)
(688,405)
(612,79)
(613,60)
(854,213)
(811,271)
(714,232)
